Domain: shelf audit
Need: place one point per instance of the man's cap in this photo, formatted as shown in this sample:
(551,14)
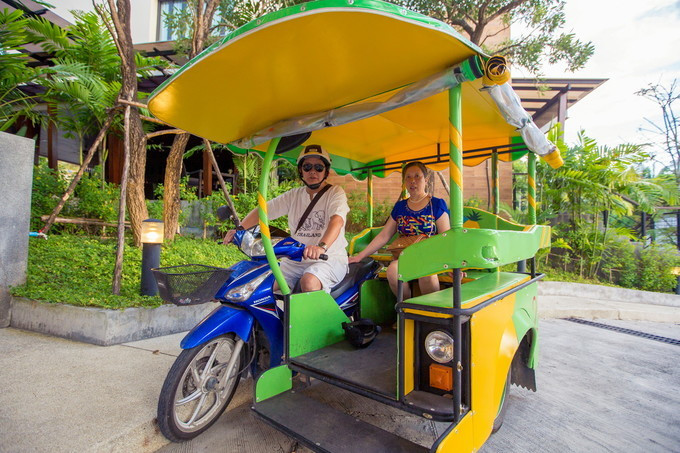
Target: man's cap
(314,151)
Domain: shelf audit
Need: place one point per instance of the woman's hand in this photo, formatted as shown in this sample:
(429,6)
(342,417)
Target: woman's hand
(354,259)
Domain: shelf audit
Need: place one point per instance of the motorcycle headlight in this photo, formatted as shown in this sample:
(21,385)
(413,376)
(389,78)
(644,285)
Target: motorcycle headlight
(439,346)
(243,292)
(253,247)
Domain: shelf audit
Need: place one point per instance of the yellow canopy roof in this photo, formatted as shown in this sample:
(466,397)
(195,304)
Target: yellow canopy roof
(324,55)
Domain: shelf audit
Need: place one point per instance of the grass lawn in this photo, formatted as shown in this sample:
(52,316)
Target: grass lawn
(78,270)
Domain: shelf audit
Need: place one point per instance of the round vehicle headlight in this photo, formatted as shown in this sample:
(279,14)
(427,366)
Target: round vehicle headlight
(439,346)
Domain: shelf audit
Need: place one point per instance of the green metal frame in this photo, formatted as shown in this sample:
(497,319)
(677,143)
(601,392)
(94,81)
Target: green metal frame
(264,220)
(315,322)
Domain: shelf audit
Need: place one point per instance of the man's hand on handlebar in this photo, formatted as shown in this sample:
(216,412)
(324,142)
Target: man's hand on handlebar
(228,237)
(313,252)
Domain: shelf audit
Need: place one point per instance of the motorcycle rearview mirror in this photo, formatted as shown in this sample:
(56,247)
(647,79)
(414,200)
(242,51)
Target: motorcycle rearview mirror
(225,213)
(291,142)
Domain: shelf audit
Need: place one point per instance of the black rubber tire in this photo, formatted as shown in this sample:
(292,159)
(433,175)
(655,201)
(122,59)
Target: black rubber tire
(179,384)
(502,409)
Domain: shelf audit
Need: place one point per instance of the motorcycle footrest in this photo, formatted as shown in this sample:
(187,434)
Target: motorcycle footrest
(325,429)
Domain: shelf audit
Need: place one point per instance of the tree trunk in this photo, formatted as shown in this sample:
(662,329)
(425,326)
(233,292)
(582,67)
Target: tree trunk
(203,17)
(173,170)
(136,199)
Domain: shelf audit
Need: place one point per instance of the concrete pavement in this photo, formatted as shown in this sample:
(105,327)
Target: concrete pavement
(64,396)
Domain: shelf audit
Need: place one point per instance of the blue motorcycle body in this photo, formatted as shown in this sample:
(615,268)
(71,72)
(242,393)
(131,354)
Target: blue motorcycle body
(249,303)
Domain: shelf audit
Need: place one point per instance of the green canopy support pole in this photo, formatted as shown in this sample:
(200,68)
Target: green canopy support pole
(369,196)
(531,195)
(264,220)
(532,188)
(456,206)
(404,192)
(456,157)
(494,182)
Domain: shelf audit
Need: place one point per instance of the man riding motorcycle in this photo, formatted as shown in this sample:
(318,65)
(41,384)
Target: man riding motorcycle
(321,229)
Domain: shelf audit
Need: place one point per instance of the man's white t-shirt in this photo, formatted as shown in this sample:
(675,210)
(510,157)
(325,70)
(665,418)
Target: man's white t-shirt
(295,203)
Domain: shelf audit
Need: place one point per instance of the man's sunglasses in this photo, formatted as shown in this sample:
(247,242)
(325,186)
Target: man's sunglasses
(317,167)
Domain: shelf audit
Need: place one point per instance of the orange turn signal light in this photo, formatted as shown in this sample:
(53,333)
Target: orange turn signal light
(441,377)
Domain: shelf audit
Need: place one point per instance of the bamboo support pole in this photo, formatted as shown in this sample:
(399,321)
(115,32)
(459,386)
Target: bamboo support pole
(216,167)
(79,174)
(118,268)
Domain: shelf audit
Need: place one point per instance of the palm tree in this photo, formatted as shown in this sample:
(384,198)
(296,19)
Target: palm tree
(597,179)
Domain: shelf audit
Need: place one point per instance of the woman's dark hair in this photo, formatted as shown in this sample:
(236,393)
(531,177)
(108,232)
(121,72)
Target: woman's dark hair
(415,163)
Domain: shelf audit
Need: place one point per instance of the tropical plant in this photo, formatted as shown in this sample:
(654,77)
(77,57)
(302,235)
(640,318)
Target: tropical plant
(597,179)
(16,73)
(542,21)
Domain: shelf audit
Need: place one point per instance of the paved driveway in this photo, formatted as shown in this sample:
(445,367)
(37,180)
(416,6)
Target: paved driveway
(598,391)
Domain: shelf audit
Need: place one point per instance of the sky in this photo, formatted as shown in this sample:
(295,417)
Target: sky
(637,43)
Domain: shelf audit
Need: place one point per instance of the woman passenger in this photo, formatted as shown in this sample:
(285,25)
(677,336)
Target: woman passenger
(421,213)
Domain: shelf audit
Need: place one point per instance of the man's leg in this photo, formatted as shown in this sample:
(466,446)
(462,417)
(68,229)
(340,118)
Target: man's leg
(310,282)
(292,271)
(324,275)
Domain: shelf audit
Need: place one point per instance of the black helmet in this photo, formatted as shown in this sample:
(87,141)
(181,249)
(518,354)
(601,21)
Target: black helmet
(361,333)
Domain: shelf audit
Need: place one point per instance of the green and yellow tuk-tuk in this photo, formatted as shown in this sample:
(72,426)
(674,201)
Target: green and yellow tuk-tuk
(377,86)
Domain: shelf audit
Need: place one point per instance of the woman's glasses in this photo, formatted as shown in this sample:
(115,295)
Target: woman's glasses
(317,167)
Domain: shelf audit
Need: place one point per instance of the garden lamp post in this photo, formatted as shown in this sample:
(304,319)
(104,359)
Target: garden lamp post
(152,238)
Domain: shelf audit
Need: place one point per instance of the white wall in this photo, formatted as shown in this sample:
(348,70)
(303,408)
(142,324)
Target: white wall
(143,21)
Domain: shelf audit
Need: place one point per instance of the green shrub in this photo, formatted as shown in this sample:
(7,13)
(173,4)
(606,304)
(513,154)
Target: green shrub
(92,197)
(357,218)
(186,193)
(619,262)
(48,187)
(78,270)
(95,198)
(656,261)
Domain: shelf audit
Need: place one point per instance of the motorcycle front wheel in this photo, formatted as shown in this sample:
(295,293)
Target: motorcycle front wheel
(199,387)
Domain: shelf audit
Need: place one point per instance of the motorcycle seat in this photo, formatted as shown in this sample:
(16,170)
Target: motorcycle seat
(357,271)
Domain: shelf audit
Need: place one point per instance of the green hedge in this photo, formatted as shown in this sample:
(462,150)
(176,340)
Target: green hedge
(78,270)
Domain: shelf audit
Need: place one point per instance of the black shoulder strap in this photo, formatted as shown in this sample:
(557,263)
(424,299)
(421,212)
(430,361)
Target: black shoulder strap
(316,198)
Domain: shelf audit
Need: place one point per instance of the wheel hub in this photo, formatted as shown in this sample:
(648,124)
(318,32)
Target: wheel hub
(211,384)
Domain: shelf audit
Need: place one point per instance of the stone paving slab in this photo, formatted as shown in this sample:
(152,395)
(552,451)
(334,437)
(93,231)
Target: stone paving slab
(67,396)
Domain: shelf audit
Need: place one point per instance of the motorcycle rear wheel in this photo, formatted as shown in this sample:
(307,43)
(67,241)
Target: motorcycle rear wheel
(198,388)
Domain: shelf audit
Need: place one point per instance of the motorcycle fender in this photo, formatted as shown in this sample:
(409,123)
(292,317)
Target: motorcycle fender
(222,320)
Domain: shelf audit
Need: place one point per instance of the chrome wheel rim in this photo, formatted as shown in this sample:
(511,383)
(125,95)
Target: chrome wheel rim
(205,385)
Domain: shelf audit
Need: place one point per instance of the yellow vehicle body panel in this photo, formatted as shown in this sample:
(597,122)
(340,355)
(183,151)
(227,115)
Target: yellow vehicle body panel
(409,355)
(460,438)
(494,342)
(326,57)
